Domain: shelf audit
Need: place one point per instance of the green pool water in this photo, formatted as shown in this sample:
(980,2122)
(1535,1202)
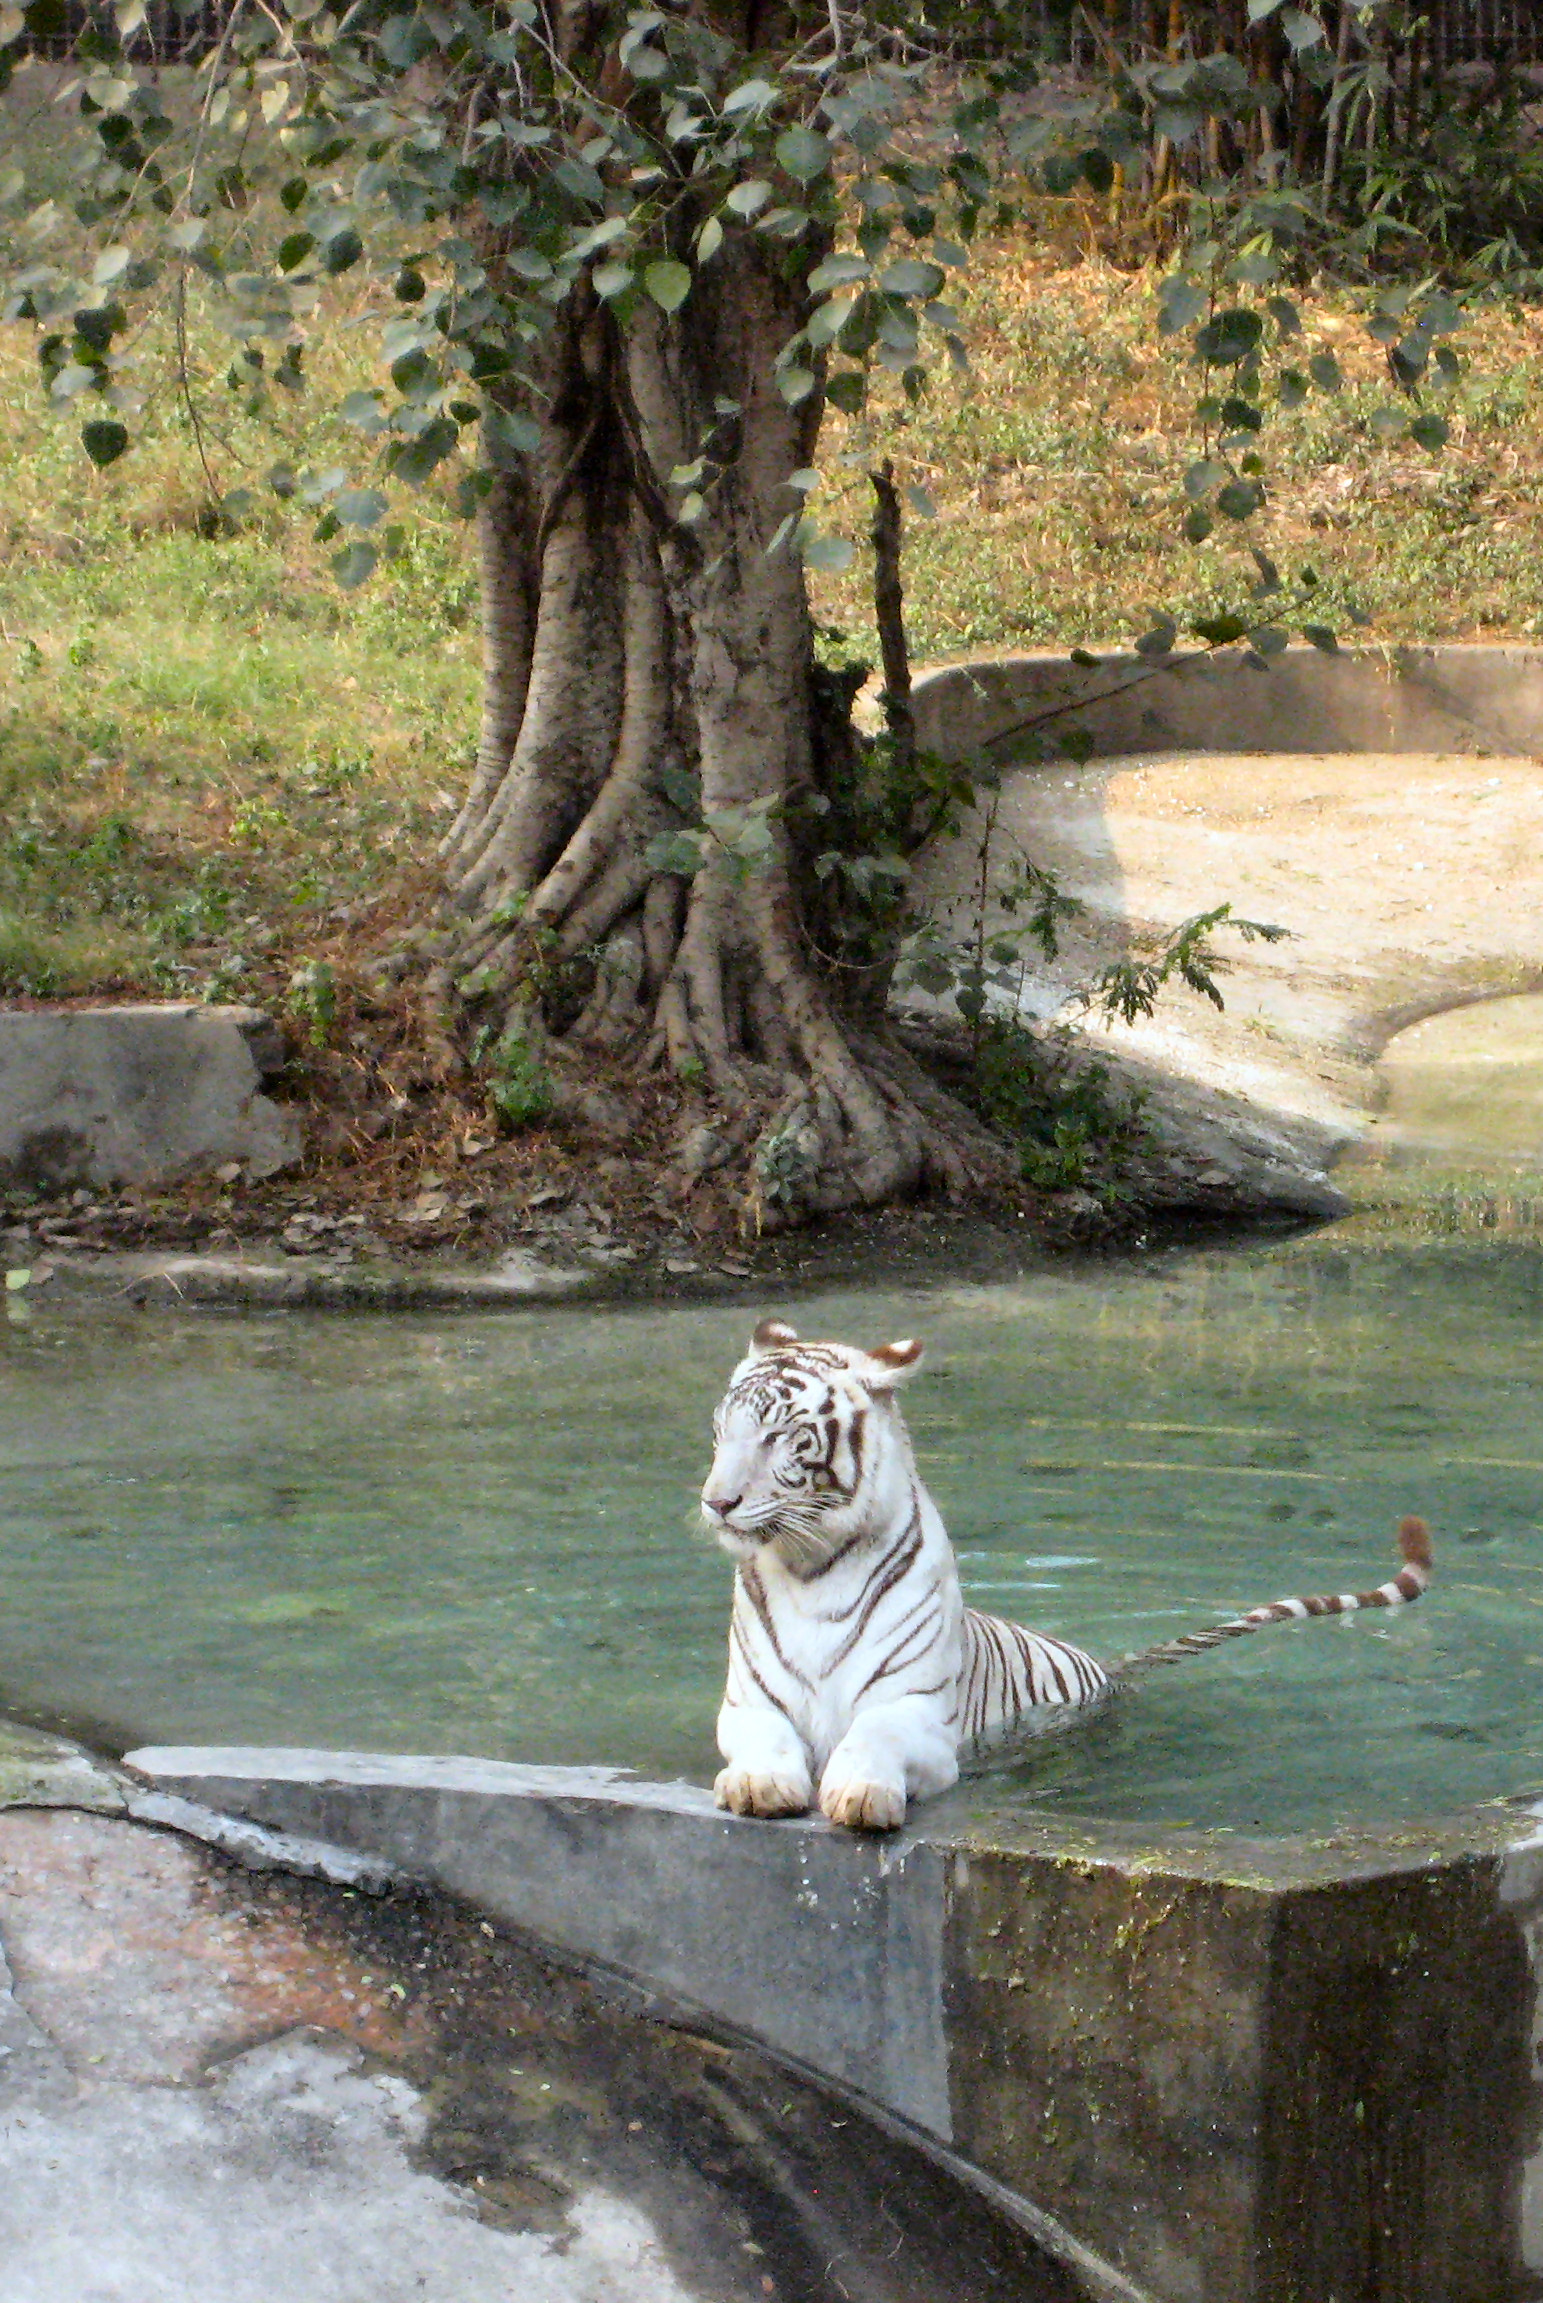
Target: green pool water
(477,1533)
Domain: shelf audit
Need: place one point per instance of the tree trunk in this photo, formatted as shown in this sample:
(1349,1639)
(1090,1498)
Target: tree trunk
(634,661)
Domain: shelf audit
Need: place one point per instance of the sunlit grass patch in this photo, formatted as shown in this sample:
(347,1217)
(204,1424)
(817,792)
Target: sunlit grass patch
(1056,469)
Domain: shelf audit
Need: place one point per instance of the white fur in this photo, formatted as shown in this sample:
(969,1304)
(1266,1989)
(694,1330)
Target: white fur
(850,1648)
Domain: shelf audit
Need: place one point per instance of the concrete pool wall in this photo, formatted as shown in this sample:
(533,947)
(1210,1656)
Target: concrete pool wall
(1207,2071)
(1383,807)
(1460,697)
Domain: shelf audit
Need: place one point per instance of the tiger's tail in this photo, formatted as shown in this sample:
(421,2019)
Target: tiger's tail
(1412,1578)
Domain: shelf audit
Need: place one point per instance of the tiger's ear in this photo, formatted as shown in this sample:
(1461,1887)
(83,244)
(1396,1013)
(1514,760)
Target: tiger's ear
(772,1334)
(895,1362)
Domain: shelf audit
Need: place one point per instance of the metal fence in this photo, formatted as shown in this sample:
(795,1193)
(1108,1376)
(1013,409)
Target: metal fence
(1499,32)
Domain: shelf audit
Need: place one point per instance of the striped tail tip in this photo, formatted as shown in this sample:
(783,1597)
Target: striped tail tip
(1415,1544)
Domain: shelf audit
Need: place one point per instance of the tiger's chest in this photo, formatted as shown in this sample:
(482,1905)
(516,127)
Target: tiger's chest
(876,1629)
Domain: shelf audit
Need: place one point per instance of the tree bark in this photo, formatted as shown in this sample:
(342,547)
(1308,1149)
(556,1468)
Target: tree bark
(632,661)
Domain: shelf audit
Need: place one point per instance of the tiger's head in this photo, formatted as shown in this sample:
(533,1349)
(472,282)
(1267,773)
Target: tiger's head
(808,1446)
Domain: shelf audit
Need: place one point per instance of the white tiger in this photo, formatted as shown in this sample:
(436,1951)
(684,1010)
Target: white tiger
(854,1664)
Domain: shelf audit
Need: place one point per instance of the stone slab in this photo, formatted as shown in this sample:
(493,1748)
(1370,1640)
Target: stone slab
(138,1095)
(1159,2050)
(308,1283)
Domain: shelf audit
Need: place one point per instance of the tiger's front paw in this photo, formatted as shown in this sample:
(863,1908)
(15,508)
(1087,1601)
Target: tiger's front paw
(745,1793)
(859,1805)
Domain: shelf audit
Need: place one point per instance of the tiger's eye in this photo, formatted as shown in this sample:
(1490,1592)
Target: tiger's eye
(824,1478)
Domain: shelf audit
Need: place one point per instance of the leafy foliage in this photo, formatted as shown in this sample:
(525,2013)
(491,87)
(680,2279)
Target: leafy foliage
(499,175)
(519,1091)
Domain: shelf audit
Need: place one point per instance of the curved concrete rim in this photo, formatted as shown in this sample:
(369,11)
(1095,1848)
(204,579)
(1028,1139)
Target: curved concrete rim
(1444,696)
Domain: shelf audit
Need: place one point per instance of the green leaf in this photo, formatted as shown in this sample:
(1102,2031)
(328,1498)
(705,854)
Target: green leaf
(1239,499)
(910,277)
(847,390)
(1439,316)
(1179,301)
(294,250)
(1198,524)
(680,853)
(1301,30)
(1221,631)
(1293,387)
(1230,337)
(362,408)
(680,787)
(1085,662)
(838,272)
(1321,637)
(352,565)
(749,198)
(342,251)
(1159,641)
(612,279)
(1285,315)
(104,441)
(830,553)
(804,154)
(795,384)
(416,458)
(667,282)
(579,180)
(1430,431)
(1201,478)
(518,434)
(1271,640)
(921,503)
(362,507)
(16,1280)
(709,240)
(1324,370)
(750,96)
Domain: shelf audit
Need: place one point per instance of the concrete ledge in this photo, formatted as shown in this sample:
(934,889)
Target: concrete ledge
(1452,698)
(138,1095)
(298,1283)
(1206,2072)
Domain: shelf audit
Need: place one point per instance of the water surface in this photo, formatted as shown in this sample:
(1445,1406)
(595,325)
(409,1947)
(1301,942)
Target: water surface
(477,1533)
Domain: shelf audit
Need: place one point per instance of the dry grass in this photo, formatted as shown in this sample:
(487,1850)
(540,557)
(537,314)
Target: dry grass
(1056,473)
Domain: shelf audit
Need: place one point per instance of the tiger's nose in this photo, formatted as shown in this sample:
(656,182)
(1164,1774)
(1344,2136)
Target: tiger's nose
(721,1504)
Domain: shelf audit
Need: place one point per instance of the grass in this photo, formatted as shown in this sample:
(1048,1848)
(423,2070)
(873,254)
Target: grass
(1056,471)
(208,752)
